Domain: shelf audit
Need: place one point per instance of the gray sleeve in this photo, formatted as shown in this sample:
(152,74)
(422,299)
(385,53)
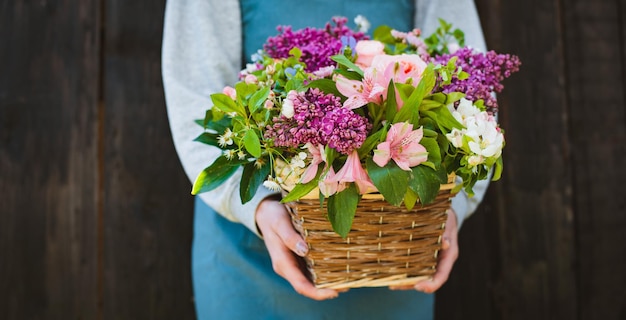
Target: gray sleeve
(201,54)
(463,15)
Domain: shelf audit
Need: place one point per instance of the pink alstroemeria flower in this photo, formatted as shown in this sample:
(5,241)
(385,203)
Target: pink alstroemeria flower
(404,68)
(402,145)
(359,93)
(352,171)
(318,157)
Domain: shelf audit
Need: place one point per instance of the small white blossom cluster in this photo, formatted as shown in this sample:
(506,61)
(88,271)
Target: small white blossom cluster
(287,174)
(481,139)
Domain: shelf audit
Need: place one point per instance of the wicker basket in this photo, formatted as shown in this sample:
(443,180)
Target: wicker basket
(387,245)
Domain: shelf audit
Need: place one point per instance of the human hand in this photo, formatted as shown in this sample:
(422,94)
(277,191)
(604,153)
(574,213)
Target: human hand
(447,256)
(283,244)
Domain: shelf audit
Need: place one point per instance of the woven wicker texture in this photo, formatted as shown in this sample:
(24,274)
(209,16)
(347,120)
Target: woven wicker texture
(386,246)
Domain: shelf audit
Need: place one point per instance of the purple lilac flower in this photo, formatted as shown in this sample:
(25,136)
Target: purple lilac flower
(317,45)
(486,72)
(319,118)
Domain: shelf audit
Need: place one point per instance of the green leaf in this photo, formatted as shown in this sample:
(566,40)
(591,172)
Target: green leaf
(425,182)
(251,179)
(208,138)
(410,198)
(252,143)
(245,90)
(390,180)
(227,105)
(383,34)
(434,154)
(214,175)
(497,170)
(326,85)
(343,60)
(258,98)
(453,97)
(369,143)
(342,208)
(392,104)
(350,75)
(428,104)
(301,190)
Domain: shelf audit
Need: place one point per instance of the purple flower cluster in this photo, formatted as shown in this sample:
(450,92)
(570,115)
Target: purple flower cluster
(486,72)
(319,118)
(317,45)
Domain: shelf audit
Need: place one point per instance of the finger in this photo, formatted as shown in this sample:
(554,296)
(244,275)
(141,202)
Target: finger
(286,265)
(290,237)
(444,267)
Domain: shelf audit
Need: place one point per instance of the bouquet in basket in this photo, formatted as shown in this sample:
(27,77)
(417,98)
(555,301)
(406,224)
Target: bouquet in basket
(330,113)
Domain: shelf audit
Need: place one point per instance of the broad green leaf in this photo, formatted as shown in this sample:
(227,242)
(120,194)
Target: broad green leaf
(294,84)
(208,138)
(226,104)
(245,90)
(453,97)
(252,143)
(251,179)
(410,198)
(390,180)
(199,122)
(434,154)
(214,175)
(425,182)
(369,143)
(343,60)
(258,98)
(342,208)
(383,34)
(351,75)
(326,85)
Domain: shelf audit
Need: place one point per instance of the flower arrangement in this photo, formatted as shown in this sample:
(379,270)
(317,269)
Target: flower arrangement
(331,112)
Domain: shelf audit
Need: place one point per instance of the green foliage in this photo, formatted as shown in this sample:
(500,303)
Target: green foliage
(342,208)
(390,180)
(214,175)
(252,177)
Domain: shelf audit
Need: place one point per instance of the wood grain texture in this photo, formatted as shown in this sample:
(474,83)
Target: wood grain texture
(148,207)
(48,159)
(597,112)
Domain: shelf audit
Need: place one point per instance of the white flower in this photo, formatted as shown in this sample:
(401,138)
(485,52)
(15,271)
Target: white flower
(226,138)
(287,109)
(465,109)
(362,23)
(296,162)
(229,154)
(271,184)
(241,155)
(455,137)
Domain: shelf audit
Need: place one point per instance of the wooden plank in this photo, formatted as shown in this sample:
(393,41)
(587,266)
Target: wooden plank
(529,272)
(49,159)
(595,60)
(148,207)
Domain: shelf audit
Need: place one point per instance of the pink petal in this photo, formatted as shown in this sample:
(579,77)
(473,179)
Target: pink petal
(382,154)
(349,87)
(327,185)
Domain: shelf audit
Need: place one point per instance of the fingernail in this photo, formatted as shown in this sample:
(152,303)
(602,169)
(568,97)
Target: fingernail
(301,248)
(419,287)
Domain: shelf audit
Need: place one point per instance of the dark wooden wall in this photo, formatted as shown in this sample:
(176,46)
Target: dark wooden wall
(95,212)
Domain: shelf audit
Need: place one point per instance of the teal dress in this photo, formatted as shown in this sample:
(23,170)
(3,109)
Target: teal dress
(232,271)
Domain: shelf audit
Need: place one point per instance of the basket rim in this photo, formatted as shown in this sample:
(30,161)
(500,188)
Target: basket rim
(314,194)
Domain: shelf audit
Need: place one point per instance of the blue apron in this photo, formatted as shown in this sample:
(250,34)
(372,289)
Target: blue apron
(232,271)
